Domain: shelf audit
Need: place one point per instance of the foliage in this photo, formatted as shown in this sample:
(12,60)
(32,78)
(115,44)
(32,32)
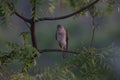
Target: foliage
(21,76)
(46,7)
(48,73)
(101,8)
(24,53)
(56,73)
(6,11)
(92,64)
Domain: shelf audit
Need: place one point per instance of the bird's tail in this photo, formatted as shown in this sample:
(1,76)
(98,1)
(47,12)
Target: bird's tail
(64,54)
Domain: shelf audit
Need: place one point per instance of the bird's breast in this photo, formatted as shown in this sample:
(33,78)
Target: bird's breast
(60,36)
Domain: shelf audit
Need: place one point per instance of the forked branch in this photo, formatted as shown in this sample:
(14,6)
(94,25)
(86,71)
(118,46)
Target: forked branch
(22,17)
(12,7)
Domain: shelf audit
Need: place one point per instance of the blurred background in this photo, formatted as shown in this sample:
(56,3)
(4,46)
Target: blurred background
(80,31)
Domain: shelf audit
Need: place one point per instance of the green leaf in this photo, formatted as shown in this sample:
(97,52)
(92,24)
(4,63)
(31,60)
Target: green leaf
(51,8)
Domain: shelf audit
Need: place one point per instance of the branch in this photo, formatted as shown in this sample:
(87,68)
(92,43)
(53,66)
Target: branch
(34,11)
(93,31)
(22,17)
(68,15)
(12,8)
(32,29)
(58,50)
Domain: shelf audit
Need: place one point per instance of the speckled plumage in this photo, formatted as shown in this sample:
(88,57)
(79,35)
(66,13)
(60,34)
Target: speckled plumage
(62,37)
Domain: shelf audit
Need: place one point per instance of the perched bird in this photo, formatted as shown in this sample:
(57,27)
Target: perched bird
(62,38)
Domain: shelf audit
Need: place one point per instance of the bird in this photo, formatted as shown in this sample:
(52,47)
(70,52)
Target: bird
(62,38)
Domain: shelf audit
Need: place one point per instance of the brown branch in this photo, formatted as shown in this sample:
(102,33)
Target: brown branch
(34,10)
(22,17)
(68,15)
(31,21)
(33,36)
(12,8)
(32,28)
(93,31)
(58,50)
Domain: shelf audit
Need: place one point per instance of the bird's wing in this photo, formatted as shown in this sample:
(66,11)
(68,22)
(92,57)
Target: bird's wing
(56,35)
(57,40)
(67,38)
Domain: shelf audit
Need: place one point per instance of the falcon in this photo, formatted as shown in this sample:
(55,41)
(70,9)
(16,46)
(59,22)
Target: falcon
(62,38)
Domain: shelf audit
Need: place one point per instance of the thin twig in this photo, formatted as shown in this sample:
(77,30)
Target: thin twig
(93,31)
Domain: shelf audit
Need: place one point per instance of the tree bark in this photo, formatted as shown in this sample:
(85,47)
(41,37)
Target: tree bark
(33,35)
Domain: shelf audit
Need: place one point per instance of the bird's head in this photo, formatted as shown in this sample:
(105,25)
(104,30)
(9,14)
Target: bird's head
(59,27)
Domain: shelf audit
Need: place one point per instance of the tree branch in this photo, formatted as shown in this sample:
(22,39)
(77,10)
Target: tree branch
(58,50)
(93,31)
(12,8)
(33,35)
(68,15)
(22,17)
